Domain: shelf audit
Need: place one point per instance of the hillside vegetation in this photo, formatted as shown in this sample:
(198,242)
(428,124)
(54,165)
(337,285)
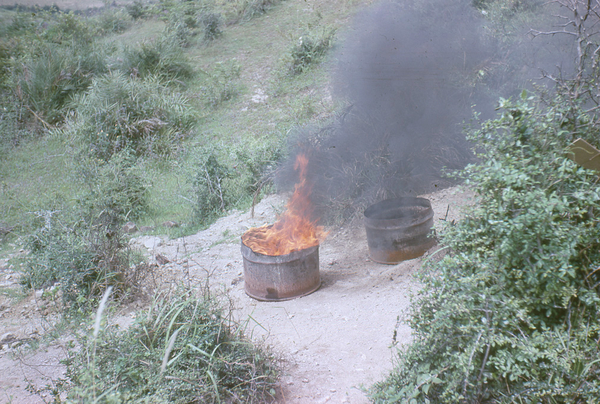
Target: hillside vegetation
(511,313)
(171,113)
(155,112)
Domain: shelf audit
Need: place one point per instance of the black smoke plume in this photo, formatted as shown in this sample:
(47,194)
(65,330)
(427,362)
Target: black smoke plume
(410,73)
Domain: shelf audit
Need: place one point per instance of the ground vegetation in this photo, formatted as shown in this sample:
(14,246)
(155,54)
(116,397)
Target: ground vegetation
(510,314)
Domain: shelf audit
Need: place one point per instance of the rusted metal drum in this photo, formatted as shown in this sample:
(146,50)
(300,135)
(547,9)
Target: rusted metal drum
(281,277)
(399,229)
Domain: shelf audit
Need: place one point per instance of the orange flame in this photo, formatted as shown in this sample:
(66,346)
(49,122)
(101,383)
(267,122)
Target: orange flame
(294,230)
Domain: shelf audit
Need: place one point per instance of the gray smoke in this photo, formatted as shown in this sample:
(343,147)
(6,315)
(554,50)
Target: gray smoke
(410,74)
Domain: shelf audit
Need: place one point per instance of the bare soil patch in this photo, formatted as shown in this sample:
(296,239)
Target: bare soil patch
(331,342)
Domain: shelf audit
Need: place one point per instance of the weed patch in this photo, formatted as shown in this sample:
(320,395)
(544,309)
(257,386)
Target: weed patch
(221,83)
(120,112)
(182,349)
(309,49)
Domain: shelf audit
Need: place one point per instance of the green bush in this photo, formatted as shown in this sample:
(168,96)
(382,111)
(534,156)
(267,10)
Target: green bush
(137,10)
(210,194)
(51,75)
(119,112)
(161,57)
(69,27)
(183,349)
(211,23)
(255,164)
(83,249)
(114,20)
(221,83)
(309,49)
(116,191)
(249,9)
(512,314)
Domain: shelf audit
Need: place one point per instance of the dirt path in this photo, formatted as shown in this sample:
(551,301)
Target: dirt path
(331,342)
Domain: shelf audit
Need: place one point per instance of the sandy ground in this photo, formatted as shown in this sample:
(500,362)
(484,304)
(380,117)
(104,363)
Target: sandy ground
(332,343)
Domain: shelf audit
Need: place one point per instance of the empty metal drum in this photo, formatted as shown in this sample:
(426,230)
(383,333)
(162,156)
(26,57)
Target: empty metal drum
(281,277)
(399,229)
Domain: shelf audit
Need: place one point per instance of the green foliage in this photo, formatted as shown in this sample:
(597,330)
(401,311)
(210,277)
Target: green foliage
(115,189)
(5,62)
(183,349)
(221,83)
(119,112)
(517,300)
(255,165)
(114,20)
(83,249)
(229,176)
(137,10)
(309,49)
(188,19)
(211,23)
(249,9)
(52,74)
(162,57)
(211,197)
(70,28)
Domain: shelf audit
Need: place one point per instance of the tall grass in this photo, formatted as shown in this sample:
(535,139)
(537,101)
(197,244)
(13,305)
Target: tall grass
(120,112)
(182,349)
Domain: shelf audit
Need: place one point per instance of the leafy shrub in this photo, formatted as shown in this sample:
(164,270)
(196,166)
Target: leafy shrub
(51,76)
(119,112)
(137,10)
(221,83)
(309,50)
(115,190)
(114,20)
(211,23)
(180,31)
(210,194)
(183,349)
(256,161)
(162,57)
(11,132)
(188,19)
(511,315)
(70,27)
(84,249)
(21,23)
(249,9)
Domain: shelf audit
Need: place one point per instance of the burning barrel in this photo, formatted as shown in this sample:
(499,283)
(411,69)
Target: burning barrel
(281,277)
(281,261)
(399,229)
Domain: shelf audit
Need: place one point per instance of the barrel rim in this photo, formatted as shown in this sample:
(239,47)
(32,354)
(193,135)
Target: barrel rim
(250,254)
(401,201)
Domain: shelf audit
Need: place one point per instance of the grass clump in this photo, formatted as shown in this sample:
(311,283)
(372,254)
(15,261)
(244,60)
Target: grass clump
(211,196)
(120,112)
(114,20)
(309,49)
(249,9)
(182,349)
(221,83)
(51,75)
(162,57)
